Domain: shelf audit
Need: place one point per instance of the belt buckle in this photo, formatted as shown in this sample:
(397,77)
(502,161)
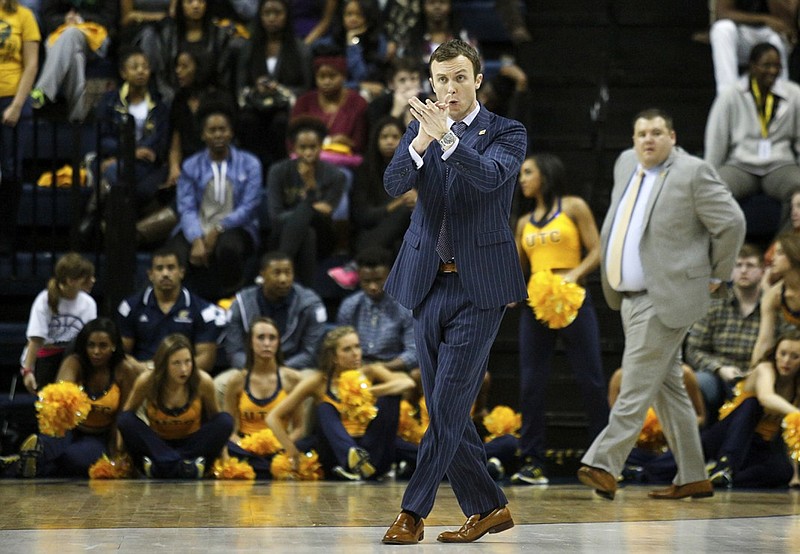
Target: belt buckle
(448,267)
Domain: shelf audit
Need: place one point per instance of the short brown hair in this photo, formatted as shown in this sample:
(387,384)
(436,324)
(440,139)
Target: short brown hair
(455,48)
(749,250)
(652,113)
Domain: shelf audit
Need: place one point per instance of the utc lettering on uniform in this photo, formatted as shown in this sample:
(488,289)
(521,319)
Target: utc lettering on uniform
(543,238)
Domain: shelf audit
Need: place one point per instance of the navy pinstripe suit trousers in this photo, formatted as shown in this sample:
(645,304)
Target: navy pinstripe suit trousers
(453,339)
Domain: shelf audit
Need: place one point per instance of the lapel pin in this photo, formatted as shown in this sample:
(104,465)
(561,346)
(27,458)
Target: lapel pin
(482,132)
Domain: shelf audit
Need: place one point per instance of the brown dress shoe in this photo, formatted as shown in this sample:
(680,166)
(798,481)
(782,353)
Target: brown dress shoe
(600,480)
(476,527)
(698,489)
(404,531)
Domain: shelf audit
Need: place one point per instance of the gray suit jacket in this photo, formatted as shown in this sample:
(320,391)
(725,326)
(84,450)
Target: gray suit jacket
(693,230)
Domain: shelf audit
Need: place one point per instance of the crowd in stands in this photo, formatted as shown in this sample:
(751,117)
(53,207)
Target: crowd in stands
(262,132)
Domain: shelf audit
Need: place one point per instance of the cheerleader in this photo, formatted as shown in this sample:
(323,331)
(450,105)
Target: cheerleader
(254,391)
(98,364)
(355,438)
(186,429)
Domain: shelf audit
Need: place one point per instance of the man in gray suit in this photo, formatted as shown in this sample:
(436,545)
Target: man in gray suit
(669,239)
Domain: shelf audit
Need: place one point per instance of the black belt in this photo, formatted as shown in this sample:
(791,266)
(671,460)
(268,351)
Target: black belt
(632,293)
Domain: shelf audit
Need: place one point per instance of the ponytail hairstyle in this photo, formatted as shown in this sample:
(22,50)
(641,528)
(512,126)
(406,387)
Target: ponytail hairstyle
(70,266)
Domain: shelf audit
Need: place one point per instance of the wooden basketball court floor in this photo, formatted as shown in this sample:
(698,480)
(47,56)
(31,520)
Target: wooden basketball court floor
(65,516)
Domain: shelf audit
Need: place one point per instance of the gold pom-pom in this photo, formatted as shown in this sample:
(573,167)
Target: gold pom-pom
(791,434)
(233,468)
(424,417)
(502,420)
(120,467)
(309,468)
(409,428)
(61,407)
(261,443)
(554,302)
(738,397)
(651,437)
(358,403)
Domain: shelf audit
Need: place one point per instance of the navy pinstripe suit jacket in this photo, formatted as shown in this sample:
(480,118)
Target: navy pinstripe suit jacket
(483,174)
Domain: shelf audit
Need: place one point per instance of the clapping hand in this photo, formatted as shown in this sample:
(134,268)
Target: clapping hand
(432,117)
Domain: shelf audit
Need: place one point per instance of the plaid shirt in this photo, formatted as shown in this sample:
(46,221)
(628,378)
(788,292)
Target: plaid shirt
(723,336)
(385,328)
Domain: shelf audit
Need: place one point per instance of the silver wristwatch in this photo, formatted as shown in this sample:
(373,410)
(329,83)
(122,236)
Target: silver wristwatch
(448,140)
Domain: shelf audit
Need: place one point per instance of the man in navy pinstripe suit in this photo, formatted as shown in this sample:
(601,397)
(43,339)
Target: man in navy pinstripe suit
(457,270)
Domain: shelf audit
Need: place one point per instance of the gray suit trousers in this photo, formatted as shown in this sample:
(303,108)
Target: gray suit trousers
(651,376)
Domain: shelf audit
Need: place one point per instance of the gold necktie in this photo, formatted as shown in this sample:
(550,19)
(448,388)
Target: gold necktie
(614,261)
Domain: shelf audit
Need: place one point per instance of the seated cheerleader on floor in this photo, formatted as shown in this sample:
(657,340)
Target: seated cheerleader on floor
(98,364)
(186,430)
(254,391)
(358,408)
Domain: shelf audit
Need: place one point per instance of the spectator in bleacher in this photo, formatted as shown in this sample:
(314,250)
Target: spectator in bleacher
(274,68)
(77,31)
(384,325)
(379,219)
(19,53)
(752,138)
(219,193)
(57,315)
(195,90)
(358,34)
(166,307)
(437,24)
(99,366)
(140,22)
(719,346)
(193,28)
(253,392)
(298,311)
(186,430)
(398,17)
(313,18)
(151,132)
(740,25)
(351,447)
(403,82)
(745,448)
(780,303)
(192,70)
(558,235)
(342,110)
(302,194)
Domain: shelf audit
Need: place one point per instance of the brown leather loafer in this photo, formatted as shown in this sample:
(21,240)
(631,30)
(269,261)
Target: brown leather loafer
(475,527)
(600,480)
(698,489)
(404,531)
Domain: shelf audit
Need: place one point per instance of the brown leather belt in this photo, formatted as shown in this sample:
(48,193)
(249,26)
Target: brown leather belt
(448,267)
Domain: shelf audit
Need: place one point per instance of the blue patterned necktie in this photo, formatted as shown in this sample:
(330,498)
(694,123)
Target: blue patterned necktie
(444,243)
